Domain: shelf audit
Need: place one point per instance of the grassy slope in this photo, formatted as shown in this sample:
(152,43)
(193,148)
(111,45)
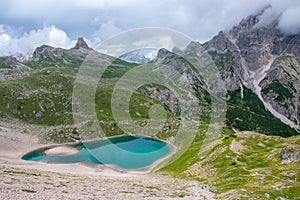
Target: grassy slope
(49,91)
(42,98)
(252,172)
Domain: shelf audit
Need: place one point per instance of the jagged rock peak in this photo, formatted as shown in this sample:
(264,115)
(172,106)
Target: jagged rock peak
(162,53)
(263,18)
(193,44)
(220,43)
(81,44)
(249,22)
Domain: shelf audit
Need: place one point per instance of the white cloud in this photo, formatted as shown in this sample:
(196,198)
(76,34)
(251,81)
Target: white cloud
(106,30)
(163,41)
(103,3)
(49,35)
(200,19)
(4,40)
(141,38)
(2,29)
(290,21)
(98,20)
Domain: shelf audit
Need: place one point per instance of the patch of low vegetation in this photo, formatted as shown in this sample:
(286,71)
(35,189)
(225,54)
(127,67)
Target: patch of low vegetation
(282,92)
(60,135)
(42,98)
(45,98)
(191,156)
(249,114)
(28,191)
(224,61)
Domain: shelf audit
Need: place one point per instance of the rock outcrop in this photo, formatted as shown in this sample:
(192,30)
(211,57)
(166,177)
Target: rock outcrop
(290,154)
(81,44)
(46,51)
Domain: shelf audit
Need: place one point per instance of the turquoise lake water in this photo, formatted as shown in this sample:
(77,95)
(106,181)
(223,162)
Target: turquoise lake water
(127,152)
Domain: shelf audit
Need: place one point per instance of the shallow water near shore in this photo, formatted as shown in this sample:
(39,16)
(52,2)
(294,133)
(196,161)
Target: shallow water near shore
(125,152)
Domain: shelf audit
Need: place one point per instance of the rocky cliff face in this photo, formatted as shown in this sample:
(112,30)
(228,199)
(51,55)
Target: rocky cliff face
(168,97)
(257,55)
(280,87)
(46,51)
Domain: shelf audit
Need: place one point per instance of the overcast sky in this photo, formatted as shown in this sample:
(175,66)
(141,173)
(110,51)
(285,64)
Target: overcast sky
(26,24)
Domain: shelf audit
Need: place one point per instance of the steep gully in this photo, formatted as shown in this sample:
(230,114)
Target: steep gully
(253,81)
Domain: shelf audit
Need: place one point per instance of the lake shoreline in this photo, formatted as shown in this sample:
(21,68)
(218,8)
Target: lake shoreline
(66,149)
(36,180)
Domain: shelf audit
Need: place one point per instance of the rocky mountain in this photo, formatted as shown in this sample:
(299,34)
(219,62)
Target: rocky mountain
(260,57)
(260,68)
(135,58)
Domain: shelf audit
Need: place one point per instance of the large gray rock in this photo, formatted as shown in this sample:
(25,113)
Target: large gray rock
(290,154)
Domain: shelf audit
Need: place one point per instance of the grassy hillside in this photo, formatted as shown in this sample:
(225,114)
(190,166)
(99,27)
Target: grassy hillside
(42,98)
(243,165)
